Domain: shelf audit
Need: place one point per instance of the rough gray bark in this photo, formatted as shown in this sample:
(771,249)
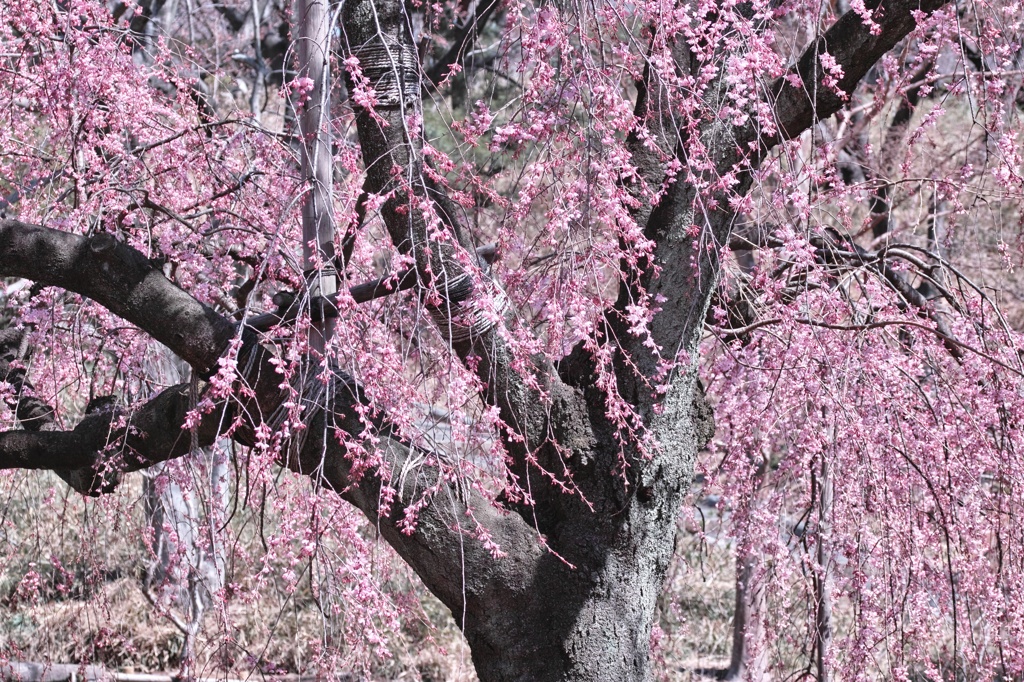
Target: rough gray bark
(573,598)
(123,281)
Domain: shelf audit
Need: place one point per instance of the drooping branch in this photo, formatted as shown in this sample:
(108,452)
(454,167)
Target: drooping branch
(122,279)
(881,200)
(689,267)
(291,306)
(833,244)
(840,253)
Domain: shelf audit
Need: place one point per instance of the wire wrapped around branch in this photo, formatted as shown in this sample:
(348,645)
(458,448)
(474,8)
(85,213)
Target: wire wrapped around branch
(471,316)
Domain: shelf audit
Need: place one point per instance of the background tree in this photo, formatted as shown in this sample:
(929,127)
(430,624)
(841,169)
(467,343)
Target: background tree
(539,267)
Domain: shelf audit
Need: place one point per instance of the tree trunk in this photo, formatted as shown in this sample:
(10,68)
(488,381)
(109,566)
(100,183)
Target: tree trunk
(187,568)
(590,626)
(573,598)
(586,613)
(313,50)
(749,659)
(747,662)
(580,605)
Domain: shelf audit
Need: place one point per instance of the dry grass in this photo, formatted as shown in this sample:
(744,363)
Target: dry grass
(93,609)
(88,603)
(696,606)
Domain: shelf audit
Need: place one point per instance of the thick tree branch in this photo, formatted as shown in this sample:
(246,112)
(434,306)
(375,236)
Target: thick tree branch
(47,449)
(800,98)
(451,283)
(689,266)
(654,108)
(154,433)
(93,455)
(465,37)
(123,281)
